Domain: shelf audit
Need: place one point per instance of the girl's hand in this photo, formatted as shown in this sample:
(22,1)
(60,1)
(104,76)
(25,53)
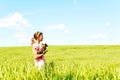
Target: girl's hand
(45,51)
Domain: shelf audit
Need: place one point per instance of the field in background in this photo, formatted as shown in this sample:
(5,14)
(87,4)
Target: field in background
(62,63)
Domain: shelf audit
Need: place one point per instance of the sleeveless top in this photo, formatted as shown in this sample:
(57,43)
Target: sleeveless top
(38,47)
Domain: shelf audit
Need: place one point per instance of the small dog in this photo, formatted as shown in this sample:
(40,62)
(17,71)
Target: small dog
(43,48)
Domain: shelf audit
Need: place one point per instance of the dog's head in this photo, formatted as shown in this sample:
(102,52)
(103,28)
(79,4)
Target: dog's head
(45,45)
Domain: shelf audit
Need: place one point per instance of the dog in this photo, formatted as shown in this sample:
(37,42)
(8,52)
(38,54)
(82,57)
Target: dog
(43,48)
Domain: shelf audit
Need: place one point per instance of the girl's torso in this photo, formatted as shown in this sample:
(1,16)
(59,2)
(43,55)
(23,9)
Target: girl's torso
(38,47)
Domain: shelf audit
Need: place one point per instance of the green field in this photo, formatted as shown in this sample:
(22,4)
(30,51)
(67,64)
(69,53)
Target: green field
(62,63)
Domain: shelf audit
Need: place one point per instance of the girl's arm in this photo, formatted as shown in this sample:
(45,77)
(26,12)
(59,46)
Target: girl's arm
(45,51)
(35,52)
(42,51)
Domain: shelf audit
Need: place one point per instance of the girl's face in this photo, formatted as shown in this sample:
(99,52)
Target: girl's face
(40,38)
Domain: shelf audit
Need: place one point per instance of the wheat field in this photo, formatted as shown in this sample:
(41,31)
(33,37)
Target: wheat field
(62,63)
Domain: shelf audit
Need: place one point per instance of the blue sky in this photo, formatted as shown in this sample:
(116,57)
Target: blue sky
(63,22)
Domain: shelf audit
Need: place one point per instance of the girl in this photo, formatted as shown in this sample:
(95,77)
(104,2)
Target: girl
(39,58)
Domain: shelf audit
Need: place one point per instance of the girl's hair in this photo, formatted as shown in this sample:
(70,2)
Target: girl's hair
(35,36)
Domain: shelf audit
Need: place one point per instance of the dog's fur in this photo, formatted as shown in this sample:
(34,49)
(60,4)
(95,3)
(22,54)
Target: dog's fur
(43,48)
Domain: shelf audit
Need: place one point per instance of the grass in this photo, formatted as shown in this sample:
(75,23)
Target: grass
(62,63)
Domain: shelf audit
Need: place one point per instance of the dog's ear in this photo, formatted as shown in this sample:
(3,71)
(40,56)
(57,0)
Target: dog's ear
(46,45)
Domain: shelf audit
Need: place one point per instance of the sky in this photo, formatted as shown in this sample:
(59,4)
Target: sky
(63,22)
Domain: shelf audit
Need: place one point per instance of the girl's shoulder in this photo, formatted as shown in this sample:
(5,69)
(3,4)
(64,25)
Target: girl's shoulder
(36,46)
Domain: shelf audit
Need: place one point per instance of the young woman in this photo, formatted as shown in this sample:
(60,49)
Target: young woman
(36,44)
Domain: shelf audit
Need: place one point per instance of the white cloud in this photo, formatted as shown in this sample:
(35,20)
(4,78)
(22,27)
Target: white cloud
(99,36)
(67,31)
(24,41)
(60,27)
(14,20)
(22,37)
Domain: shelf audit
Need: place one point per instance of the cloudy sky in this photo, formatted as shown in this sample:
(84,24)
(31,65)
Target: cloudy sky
(63,22)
